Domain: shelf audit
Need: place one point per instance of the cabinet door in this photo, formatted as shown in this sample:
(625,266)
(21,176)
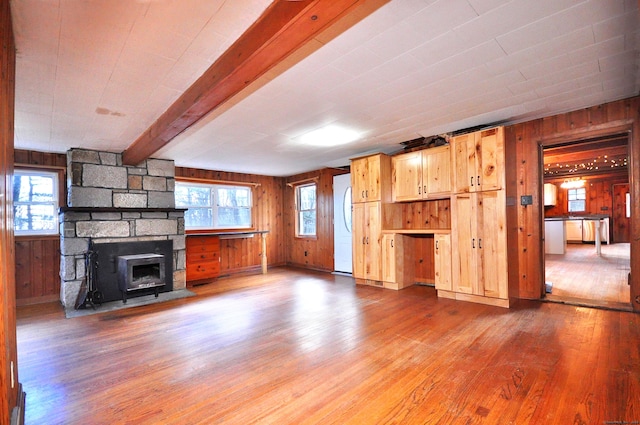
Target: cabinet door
(407,176)
(490,159)
(442,260)
(437,172)
(463,228)
(373,246)
(464,159)
(389,258)
(358,226)
(359,179)
(492,244)
(372,189)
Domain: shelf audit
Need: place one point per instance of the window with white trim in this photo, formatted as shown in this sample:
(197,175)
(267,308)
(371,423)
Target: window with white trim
(577,199)
(35,202)
(306,210)
(214,206)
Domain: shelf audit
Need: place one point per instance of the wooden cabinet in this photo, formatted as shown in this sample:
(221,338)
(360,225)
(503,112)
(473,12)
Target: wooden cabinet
(203,258)
(479,242)
(442,262)
(370,178)
(397,261)
(367,248)
(478,161)
(424,174)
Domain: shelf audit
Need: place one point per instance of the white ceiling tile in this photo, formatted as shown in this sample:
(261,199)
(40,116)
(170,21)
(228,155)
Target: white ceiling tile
(358,61)
(483,6)
(612,27)
(441,16)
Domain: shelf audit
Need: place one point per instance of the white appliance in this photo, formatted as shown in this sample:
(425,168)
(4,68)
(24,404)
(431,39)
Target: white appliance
(589,230)
(554,236)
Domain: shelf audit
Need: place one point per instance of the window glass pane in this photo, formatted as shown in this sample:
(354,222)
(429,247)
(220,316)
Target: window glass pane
(234,217)
(308,197)
(33,188)
(197,196)
(347,209)
(198,218)
(308,222)
(234,197)
(35,202)
(576,206)
(581,193)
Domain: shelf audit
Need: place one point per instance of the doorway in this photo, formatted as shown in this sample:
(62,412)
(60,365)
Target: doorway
(587,266)
(342,250)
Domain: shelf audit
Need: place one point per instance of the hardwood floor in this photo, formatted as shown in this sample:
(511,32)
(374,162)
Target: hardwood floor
(581,275)
(298,347)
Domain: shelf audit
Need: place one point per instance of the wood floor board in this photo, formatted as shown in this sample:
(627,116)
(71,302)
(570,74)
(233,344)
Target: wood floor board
(580,275)
(299,347)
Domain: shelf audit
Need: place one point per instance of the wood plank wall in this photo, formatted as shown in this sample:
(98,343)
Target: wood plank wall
(245,254)
(10,393)
(523,146)
(316,252)
(38,257)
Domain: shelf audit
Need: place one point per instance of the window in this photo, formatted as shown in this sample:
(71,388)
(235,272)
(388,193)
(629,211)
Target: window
(577,199)
(214,206)
(306,210)
(35,202)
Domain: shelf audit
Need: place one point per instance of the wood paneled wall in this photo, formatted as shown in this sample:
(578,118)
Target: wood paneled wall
(37,273)
(317,252)
(523,146)
(10,393)
(245,253)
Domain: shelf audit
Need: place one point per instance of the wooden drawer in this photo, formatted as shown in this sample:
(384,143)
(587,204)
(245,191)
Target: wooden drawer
(202,257)
(203,271)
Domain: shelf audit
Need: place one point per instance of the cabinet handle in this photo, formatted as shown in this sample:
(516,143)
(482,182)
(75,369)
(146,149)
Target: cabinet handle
(480,243)
(367,193)
(391,243)
(424,189)
(473,243)
(471,181)
(367,240)
(478,180)
(419,189)
(363,240)
(437,244)
(363,194)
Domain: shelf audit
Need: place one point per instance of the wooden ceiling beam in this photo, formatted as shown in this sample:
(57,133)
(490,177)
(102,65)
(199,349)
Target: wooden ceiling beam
(284,28)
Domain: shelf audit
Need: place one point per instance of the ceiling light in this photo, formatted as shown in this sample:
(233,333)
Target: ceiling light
(331,135)
(572,184)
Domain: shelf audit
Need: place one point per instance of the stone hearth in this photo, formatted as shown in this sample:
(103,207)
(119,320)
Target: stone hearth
(110,202)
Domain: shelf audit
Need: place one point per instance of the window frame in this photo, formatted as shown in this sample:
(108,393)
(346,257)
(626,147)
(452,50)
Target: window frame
(299,211)
(213,186)
(580,195)
(57,202)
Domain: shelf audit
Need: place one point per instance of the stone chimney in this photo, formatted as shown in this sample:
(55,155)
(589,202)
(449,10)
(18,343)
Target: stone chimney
(111,202)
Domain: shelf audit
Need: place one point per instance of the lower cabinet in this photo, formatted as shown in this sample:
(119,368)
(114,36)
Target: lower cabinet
(442,262)
(367,250)
(203,258)
(397,261)
(479,240)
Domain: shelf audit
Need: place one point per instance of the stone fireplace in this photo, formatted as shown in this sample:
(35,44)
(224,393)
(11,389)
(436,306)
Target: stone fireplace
(111,204)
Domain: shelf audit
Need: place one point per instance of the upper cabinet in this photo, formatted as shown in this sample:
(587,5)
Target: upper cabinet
(369,178)
(424,174)
(478,161)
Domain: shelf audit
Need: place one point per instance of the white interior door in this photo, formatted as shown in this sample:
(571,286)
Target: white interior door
(342,223)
